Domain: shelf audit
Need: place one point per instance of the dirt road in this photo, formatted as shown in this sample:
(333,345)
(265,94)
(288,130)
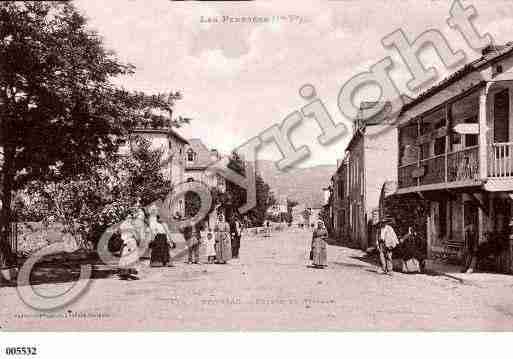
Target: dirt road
(271,288)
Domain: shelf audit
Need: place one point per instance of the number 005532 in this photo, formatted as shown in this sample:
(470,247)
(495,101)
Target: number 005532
(21,351)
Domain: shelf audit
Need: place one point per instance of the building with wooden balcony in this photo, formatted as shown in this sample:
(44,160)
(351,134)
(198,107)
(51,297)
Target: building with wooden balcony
(455,149)
(370,160)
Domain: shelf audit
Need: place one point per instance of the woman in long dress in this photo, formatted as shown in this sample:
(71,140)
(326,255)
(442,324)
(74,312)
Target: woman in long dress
(319,255)
(223,240)
(160,244)
(210,246)
(142,226)
(129,250)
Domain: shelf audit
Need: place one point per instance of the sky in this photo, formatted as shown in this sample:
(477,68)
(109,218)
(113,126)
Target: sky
(238,79)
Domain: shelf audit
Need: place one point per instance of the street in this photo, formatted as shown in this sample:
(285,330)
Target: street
(271,287)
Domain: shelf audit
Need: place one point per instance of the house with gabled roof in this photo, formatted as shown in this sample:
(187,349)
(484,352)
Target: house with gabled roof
(198,157)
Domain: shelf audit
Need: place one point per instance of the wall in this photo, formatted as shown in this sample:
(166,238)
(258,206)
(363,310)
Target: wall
(198,175)
(355,207)
(380,165)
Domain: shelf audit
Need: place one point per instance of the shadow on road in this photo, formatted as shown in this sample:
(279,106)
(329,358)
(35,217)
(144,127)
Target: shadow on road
(373,260)
(350,265)
(53,274)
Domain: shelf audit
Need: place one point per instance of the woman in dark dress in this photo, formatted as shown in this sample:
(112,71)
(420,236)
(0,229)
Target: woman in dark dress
(319,255)
(160,245)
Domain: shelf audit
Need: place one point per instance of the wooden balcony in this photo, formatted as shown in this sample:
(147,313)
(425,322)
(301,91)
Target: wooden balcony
(500,160)
(449,170)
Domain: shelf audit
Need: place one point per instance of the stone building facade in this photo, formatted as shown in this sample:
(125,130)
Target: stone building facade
(370,160)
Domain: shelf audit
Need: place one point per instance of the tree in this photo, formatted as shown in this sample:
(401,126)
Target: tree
(236,196)
(324,215)
(59,112)
(87,205)
(144,167)
(290,207)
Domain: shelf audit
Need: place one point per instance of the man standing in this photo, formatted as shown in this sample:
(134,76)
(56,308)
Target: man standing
(192,242)
(470,248)
(386,242)
(236,232)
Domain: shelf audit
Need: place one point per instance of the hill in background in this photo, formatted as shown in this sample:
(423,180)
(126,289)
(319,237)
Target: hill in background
(303,185)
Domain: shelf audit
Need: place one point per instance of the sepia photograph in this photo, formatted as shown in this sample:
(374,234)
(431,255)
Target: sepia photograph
(255,166)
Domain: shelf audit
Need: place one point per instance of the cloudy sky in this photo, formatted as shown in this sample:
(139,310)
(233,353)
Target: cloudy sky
(239,79)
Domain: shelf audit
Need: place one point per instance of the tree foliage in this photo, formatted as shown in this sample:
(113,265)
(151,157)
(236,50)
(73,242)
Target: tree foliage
(290,207)
(87,205)
(236,196)
(59,111)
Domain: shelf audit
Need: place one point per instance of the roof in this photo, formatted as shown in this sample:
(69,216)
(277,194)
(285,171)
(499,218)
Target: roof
(361,125)
(163,130)
(389,188)
(490,54)
(204,156)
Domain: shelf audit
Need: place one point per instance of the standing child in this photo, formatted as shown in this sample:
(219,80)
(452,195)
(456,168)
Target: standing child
(210,249)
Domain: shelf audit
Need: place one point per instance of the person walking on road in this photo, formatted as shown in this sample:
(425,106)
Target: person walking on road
(223,241)
(411,253)
(470,249)
(267,229)
(236,233)
(386,242)
(192,240)
(210,246)
(160,245)
(318,252)
(129,249)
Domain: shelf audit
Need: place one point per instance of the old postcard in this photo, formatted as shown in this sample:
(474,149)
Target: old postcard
(256,166)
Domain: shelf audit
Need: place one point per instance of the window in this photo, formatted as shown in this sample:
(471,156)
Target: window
(425,150)
(501,117)
(471,140)
(191,155)
(190,179)
(465,110)
(440,146)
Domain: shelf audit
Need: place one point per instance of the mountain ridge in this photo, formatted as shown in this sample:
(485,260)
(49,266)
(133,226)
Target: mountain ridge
(304,185)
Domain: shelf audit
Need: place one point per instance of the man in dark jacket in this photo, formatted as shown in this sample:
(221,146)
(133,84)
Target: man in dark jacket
(235,233)
(470,248)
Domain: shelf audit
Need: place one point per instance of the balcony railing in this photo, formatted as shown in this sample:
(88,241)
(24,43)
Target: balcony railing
(463,165)
(405,176)
(434,170)
(459,166)
(501,160)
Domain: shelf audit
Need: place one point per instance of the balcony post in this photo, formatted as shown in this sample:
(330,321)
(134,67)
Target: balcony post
(419,151)
(448,125)
(483,131)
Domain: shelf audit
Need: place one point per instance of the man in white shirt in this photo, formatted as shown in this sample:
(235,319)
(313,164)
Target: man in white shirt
(386,242)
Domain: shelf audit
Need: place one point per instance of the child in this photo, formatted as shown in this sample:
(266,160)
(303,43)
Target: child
(210,246)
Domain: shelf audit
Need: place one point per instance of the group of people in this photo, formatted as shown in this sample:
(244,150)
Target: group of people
(410,249)
(220,243)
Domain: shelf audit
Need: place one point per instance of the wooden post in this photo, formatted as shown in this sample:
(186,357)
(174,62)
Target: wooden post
(419,151)
(483,130)
(448,126)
